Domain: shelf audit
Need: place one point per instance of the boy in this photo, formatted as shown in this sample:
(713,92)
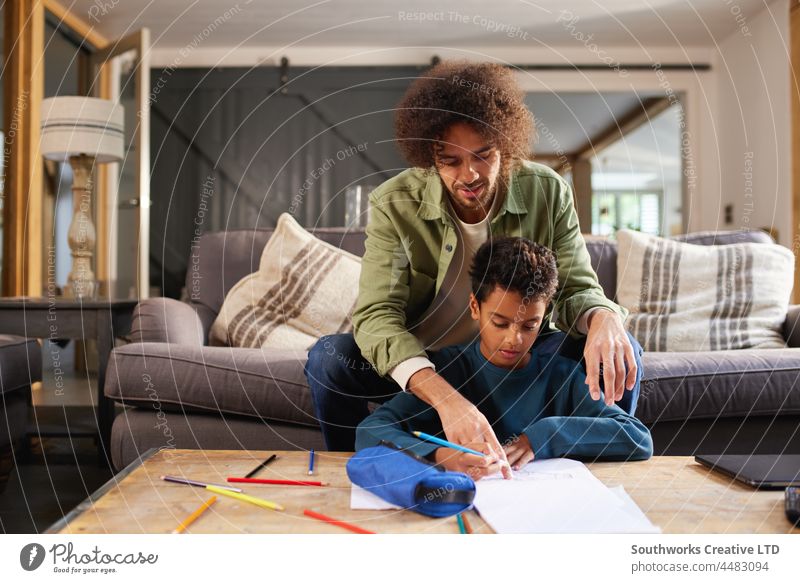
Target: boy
(537,405)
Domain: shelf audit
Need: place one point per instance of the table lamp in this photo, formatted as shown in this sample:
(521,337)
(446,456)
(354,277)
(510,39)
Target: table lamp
(83,131)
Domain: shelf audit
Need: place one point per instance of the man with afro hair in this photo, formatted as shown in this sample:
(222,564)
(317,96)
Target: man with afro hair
(466,133)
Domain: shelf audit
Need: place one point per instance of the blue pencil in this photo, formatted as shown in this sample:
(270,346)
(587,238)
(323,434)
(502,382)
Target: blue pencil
(445,443)
(311,463)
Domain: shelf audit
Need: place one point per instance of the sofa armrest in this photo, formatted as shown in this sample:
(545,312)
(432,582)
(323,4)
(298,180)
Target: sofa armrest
(791,326)
(169,320)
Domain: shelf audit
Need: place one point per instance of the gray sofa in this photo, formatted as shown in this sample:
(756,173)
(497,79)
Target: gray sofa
(183,393)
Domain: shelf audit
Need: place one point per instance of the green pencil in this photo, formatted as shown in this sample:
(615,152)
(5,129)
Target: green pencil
(461,527)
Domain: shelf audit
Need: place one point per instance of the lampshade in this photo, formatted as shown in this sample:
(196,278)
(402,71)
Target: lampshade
(82,125)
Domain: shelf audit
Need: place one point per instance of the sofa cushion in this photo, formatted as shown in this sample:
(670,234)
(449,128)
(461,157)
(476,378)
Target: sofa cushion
(20,362)
(288,303)
(220,259)
(268,384)
(685,297)
(725,237)
(719,384)
(603,250)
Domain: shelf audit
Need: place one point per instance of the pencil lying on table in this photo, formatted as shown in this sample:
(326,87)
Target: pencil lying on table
(197,484)
(275,482)
(335,522)
(261,466)
(461,528)
(194,515)
(245,498)
(467,525)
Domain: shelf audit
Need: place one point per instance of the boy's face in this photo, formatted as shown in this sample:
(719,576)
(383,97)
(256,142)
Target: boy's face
(469,168)
(508,326)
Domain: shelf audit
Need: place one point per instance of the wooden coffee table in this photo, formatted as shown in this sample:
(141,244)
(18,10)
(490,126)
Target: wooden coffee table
(676,493)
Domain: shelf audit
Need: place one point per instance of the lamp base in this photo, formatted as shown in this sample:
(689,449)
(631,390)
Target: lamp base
(85,290)
(81,236)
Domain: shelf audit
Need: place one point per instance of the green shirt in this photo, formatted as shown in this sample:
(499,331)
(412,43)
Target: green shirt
(410,243)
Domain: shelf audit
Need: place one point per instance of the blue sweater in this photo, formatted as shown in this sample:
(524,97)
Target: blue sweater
(547,400)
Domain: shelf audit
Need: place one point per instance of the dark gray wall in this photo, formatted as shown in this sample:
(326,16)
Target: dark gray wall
(230,150)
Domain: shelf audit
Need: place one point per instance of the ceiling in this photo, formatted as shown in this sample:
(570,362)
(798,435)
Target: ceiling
(569,121)
(468,23)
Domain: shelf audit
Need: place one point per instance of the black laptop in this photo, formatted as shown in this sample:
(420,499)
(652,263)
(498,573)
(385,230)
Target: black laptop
(768,472)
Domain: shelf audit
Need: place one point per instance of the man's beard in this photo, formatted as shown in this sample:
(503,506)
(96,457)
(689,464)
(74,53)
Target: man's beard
(485,201)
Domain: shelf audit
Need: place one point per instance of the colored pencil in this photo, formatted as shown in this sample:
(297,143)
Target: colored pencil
(194,515)
(445,443)
(461,528)
(245,498)
(311,463)
(275,482)
(197,484)
(340,523)
(261,466)
(467,525)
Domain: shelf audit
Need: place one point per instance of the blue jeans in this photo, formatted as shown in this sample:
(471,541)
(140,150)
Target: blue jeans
(342,382)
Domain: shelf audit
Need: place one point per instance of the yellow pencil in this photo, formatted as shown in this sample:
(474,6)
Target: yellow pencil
(245,498)
(194,515)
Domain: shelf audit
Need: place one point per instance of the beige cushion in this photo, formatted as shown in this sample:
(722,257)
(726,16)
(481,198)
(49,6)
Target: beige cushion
(304,288)
(685,297)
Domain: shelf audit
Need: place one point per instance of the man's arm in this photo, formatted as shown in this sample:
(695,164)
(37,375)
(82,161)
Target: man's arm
(579,290)
(379,319)
(578,303)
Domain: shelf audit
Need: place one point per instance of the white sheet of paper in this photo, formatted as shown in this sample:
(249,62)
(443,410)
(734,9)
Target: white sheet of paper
(552,469)
(573,502)
(632,509)
(361,499)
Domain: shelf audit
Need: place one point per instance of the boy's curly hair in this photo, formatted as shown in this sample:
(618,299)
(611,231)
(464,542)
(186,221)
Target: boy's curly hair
(514,264)
(484,95)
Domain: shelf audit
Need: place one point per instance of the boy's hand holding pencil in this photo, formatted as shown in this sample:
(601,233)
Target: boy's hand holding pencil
(475,466)
(474,459)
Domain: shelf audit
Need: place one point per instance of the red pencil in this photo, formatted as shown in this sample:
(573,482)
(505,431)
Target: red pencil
(335,522)
(278,482)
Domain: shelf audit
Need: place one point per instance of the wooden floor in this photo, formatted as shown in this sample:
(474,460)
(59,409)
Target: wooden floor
(677,495)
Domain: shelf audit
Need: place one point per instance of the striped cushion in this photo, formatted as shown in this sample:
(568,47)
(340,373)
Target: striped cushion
(685,297)
(304,288)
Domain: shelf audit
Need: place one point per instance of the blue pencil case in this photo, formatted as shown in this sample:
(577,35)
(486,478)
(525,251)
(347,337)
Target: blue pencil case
(404,479)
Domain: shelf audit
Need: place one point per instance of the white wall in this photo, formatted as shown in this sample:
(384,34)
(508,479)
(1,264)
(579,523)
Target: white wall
(753,123)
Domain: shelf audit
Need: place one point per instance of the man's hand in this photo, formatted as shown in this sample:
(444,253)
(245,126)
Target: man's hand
(475,466)
(461,420)
(608,345)
(519,452)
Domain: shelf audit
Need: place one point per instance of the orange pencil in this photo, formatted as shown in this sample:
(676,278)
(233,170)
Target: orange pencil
(467,525)
(194,515)
(335,522)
